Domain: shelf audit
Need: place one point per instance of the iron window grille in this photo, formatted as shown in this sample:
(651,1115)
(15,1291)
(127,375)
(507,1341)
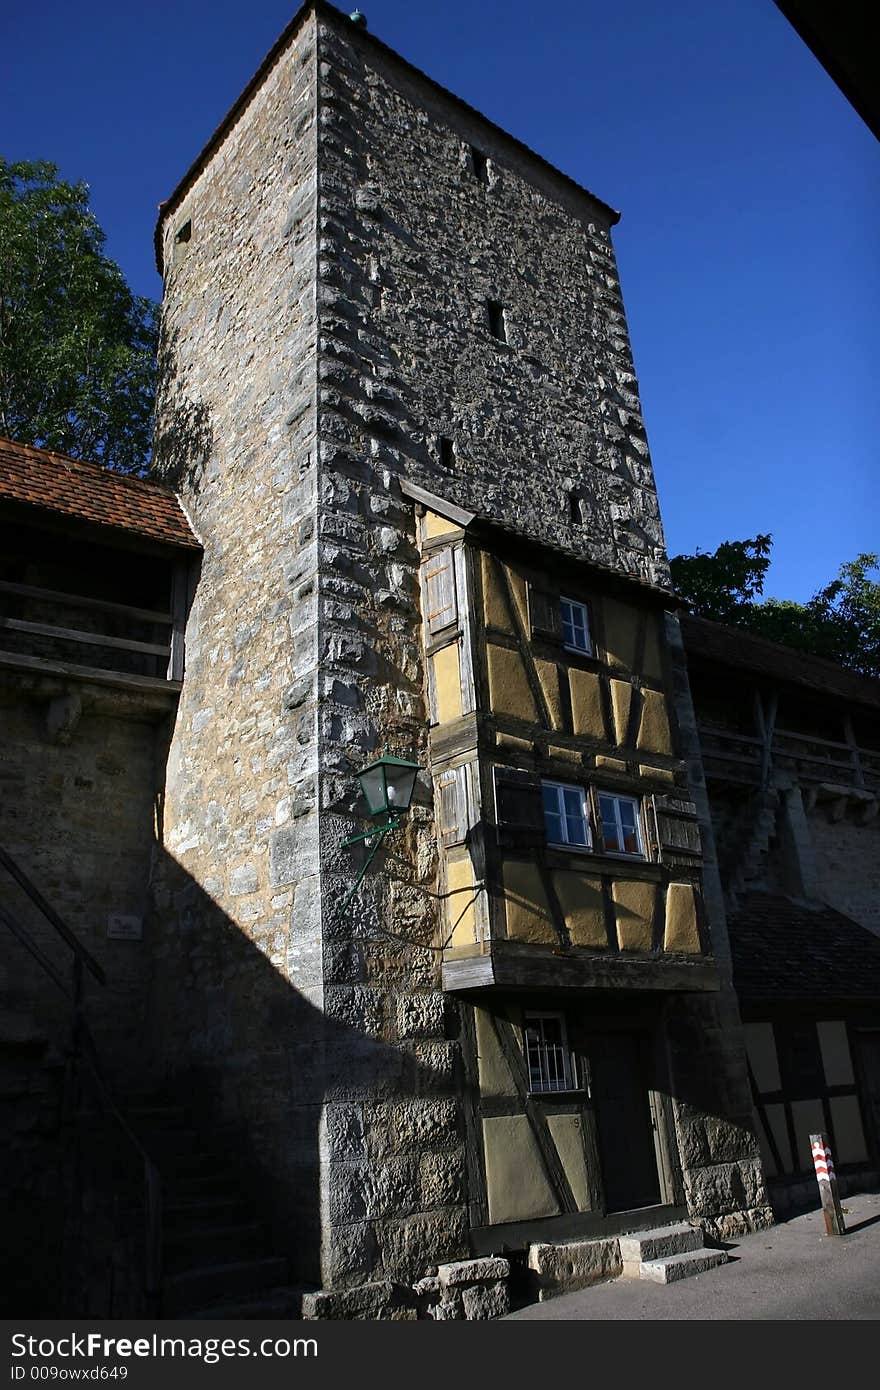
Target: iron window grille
(548,1058)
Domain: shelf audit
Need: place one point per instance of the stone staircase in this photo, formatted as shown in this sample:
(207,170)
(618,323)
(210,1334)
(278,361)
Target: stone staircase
(668,1254)
(663,1255)
(219,1259)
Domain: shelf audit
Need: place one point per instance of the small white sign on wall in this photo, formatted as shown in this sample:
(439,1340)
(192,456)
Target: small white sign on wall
(123,928)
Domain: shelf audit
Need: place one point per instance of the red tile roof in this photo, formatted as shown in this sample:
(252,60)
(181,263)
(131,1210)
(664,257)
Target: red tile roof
(89,492)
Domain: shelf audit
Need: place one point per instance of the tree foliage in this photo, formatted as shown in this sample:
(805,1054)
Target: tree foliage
(841,622)
(77,347)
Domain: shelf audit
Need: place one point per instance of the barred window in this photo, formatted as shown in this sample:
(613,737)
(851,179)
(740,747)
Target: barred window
(548,1059)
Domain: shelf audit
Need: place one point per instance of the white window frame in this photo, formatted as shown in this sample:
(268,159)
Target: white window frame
(583,794)
(575,605)
(617,798)
(569,1075)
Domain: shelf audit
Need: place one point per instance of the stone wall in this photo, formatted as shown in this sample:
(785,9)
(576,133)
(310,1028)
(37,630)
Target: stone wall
(80,771)
(325,323)
(239,970)
(846,857)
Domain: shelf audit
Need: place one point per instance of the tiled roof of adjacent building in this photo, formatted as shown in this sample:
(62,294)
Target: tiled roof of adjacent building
(786,949)
(733,646)
(88,492)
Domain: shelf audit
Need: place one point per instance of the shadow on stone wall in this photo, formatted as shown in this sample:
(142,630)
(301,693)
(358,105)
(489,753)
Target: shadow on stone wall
(185,441)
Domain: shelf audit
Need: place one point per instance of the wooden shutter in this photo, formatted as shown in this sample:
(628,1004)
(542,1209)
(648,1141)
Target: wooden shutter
(519,809)
(439,592)
(453,819)
(544,616)
(678,831)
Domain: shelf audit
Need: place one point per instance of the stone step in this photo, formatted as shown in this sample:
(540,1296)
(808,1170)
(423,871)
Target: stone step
(675,1267)
(657,1244)
(283,1303)
(219,1243)
(219,1283)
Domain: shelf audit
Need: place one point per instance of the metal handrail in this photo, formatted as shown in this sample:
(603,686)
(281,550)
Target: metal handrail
(51,916)
(83,1049)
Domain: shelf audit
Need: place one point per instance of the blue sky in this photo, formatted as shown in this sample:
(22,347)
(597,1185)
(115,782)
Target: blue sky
(748,187)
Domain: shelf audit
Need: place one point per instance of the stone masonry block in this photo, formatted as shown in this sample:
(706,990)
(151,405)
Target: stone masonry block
(488,1269)
(420,1015)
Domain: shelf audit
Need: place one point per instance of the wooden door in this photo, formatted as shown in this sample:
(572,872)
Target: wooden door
(624,1123)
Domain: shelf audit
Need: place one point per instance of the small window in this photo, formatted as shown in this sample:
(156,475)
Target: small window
(495,316)
(565,815)
(548,1058)
(619,817)
(575,626)
(480,164)
(447,452)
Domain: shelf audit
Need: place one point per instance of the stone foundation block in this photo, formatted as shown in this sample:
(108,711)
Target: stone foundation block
(490,1267)
(575,1265)
(483,1301)
(374,1302)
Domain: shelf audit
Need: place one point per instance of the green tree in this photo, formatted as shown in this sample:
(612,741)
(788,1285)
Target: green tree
(841,622)
(77,347)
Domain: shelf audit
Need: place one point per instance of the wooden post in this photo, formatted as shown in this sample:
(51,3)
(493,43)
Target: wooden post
(827,1180)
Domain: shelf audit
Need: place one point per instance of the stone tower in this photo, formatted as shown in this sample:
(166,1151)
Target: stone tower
(399,405)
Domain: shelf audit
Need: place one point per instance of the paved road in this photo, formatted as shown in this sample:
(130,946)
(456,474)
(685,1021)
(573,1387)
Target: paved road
(793,1271)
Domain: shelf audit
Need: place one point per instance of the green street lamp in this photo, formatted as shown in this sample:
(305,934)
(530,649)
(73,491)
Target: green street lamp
(387,785)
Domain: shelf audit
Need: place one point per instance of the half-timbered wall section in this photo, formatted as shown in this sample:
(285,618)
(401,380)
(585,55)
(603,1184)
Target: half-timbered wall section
(575,931)
(530,714)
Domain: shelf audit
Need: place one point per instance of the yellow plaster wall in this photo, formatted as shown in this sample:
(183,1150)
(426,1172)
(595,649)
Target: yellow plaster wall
(634,910)
(527,911)
(568,1137)
(520,592)
(654,724)
(612,764)
(435,525)
(680,930)
(461,917)
(447,683)
(652,663)
(517,1188)
(586,703)
(621,703)
(509,689)
(580,897)
(621,633)
(514,744)
(495,1077)
(548,675)
(848,1133)
(496,611)
(660,774)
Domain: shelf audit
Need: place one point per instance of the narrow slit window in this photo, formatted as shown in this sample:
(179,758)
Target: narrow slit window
(495,316)
(447,452)
(184,233)
(575,626)
(480,164)
(565,815)
(621,831)
(548,1058)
